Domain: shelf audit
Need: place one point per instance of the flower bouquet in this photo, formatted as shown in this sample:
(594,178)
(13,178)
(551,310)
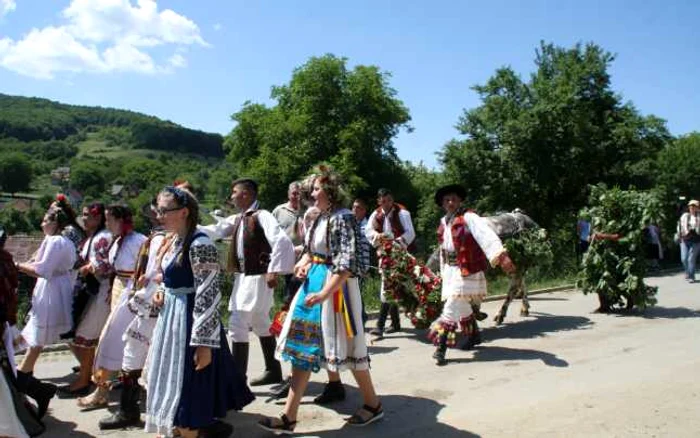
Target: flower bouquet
(410,284)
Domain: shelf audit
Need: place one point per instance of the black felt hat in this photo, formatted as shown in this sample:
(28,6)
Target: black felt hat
(455,189)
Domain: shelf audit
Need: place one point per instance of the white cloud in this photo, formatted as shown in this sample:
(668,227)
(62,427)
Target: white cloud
(102,36)
(218,26)
(177,61)
(7,6)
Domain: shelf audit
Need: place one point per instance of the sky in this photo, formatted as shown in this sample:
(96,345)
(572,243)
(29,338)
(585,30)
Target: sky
(197,62)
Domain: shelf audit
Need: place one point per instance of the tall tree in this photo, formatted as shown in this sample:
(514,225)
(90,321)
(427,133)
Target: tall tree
(15,173)
(539,144)
(326,112)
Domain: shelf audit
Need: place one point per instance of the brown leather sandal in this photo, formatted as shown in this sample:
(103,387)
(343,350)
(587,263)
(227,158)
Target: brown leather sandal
(360,420)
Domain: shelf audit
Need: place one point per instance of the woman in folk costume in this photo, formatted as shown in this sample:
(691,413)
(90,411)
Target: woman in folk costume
(52,301)
(192,380)
(324,325)
(94,254)
(122,258)
(147,278)
(467,246)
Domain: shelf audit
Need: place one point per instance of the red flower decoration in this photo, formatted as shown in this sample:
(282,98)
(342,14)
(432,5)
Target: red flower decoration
(61,197)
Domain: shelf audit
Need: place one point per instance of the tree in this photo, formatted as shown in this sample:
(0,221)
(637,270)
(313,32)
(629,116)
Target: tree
(538,144)
(325,113)
(677,162)
(15,173)
(88,178)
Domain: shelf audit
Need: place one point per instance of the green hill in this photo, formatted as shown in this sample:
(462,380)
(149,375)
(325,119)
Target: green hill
(34,120)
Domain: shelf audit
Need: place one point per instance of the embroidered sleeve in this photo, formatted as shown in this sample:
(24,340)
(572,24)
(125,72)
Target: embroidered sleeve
(343,244)
(206,328)
(487,239)
(100,249)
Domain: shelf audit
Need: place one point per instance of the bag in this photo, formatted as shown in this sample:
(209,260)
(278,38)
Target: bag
(85,287)
(693,237)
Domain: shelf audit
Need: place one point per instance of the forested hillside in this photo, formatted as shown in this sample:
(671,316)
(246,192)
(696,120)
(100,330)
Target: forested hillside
(32,119)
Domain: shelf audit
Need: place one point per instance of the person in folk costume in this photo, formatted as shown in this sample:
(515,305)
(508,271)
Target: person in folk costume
(192,379)
(11,423)
(324,326)
(146,279)
(52,299)
(467,247)
(260,251)
(390,221)
(94,269)
(122,259)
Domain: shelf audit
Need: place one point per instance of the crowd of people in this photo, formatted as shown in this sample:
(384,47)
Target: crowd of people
(145,308)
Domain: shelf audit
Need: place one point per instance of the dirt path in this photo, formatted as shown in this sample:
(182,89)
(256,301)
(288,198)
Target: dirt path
(563,371)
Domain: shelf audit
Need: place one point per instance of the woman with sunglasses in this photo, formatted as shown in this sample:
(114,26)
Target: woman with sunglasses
(122,258)
(192,380)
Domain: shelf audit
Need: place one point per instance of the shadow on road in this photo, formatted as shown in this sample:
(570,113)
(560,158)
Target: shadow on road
(658,312)
(405,416)
(378,349)
(57,428)
(496,354)
(542,324)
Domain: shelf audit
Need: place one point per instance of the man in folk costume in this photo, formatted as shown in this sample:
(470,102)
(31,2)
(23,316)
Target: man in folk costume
(467,247)
(390,221)
(260,251)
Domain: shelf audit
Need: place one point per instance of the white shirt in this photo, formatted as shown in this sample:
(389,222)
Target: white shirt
(408,235)
(485,237)
(282,257)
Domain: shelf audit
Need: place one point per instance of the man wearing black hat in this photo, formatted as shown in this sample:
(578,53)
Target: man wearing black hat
(390,221)
(467,247)
(260,252)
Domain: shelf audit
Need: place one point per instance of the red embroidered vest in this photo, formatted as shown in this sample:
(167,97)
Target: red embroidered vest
(256,248)
(396,228)
(470,257)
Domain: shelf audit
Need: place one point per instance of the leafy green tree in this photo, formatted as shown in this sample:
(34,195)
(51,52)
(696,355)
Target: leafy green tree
(142,173)
(15,173)
(88,178)
(538,144)
(615,265)
(329,113)
(677,163)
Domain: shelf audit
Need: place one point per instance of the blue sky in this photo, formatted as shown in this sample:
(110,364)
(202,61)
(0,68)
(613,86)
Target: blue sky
(197,62)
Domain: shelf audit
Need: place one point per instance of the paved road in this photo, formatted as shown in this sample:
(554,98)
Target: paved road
(563,371)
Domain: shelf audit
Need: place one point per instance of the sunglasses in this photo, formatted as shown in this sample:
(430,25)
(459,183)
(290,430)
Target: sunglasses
(162,211)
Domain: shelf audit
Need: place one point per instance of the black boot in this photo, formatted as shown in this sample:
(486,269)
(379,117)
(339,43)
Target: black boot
(128,413)
(333,392)
(480,316)
(440,351)
(41,392)
(395,319)
(273,369)
(381,321)
(239,350)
